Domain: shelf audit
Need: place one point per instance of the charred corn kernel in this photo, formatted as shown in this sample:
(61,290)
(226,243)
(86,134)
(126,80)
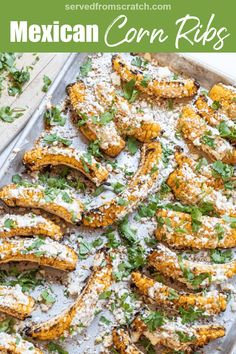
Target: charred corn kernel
(210,303)
(122,342)
(152,86)
(28,224)
(15,303)
(82,312)
(204,137)
(176,229)
(171,334)
(71,157)
(14,344)
(195,187)
(135,192)
(96,124)
(62,203)
(226,96)
(212,116)
(43,251)
(194,275)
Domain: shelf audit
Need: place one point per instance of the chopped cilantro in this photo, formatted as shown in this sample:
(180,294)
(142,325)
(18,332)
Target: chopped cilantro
(139,62)
(53,117)
(94,148)
(8,115)
(56,348)
(18,79)
(9,224)
(220,231)
(118,187)
(126,231)
(153,320)
(7,325)
(98,191)
(104,320)
(207,139)
(129,91)
(227,131)
(222,169)
(51,138)
(47,296)
(47,82)
(216,105)
(184,337)
(201,162)
(132,145)
(220,257)
(191,314)
(86,68)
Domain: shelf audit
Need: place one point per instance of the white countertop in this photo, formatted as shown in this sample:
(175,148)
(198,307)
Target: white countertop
(224,62)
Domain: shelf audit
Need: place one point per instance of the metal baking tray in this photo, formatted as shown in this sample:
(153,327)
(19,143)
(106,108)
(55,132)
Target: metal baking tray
(206,76)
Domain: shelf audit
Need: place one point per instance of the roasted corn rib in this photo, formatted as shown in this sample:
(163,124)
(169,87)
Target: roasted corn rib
(153,86)
(28,224)
(55,155)
(176,229)
(122,342)
(175,335)
(15,303)
(88,111)
(135,192)
(226,96)
(81,313)
(14,344)
(210,303)
(62,203)
(194,275)
(204,137)
(195,187)
(43,251)
(103,99)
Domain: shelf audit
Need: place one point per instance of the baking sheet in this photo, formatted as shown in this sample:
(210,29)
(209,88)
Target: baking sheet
(85,342)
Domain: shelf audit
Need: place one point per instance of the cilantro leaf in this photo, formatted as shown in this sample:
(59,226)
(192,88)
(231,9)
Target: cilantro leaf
(86,68)
(47,82)
(220,257)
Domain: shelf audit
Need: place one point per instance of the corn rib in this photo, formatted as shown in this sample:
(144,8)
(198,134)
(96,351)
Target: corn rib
(14,344)
(210,303)
(81,313)
(91,168)
(153,86)
(204,137)
(15,303)
(171,334)
(62,203)
(122,342)
(136,191)
(175,229)
(43,251)
(226,96)
(194,275)
(85,106)
(27,225)
(192,187)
